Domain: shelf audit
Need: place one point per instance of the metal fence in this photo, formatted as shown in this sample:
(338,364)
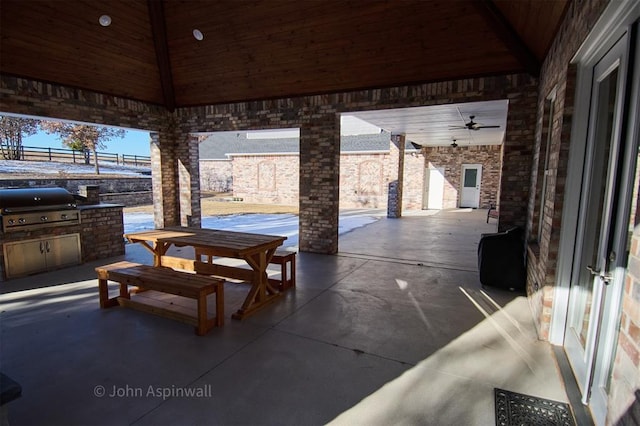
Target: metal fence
(33,153)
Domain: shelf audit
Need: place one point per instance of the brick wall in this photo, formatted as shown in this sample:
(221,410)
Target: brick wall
(269,179)
(451,160)
(557,74)
(128,199)
(101,232)
(413,184)
(363,180)
(625,381)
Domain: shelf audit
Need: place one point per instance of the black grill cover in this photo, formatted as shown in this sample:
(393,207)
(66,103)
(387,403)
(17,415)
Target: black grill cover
(501,260)
(23,199)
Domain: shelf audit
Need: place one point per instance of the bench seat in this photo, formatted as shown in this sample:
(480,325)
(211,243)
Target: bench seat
(286,260)
(164,280)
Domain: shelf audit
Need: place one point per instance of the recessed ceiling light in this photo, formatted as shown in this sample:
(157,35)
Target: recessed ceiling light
(105,20)
(197,34)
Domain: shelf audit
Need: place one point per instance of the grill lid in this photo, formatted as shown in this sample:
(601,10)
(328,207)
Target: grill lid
(30,199)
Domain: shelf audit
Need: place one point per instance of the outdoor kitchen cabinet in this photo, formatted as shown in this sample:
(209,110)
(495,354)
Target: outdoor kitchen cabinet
(41,254)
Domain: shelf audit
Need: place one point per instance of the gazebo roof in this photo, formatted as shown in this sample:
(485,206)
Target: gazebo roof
(269,49)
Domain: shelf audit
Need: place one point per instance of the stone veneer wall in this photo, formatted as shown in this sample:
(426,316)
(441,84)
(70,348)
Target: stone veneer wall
(107,185)
(451,160)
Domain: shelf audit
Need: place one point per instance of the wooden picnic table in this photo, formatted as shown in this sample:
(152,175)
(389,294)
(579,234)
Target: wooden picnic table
(255,249)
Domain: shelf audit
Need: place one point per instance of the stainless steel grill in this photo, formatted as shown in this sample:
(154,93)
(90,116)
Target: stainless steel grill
(35,208)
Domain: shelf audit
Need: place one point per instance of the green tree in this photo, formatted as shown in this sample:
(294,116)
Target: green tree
(83,137)
(12,130)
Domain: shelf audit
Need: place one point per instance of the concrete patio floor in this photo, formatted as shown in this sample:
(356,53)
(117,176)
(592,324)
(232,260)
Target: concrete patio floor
(395,328)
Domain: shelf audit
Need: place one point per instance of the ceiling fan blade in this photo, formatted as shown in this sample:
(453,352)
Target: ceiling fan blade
(486,127)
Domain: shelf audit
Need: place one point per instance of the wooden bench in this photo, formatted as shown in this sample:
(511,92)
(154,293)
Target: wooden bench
(287,275)
(281,257)
(163,280)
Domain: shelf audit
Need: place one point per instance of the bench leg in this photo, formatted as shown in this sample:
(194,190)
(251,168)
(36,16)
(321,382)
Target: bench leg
(283,272)
(220,305)
(202,328)
(103,291)
(288,274)
(293,271)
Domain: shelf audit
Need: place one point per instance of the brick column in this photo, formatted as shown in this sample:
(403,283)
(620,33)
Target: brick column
(188,179)
(91,193)
(518,153)
(319,184)
(396,151)
(163,180)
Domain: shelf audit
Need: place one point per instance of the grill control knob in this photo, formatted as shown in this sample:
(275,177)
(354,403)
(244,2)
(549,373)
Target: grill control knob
(63,216)
(11,222)
(22,220)
(43,218)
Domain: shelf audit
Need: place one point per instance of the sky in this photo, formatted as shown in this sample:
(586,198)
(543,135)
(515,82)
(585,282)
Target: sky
(135,142)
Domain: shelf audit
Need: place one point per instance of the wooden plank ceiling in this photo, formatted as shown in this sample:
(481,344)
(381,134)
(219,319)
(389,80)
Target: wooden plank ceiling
(262,49)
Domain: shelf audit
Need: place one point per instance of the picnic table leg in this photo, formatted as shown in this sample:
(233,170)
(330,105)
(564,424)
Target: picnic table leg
(261,293)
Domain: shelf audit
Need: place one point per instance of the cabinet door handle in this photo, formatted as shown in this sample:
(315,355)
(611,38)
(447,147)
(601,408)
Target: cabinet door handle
(48,246)
(41,247)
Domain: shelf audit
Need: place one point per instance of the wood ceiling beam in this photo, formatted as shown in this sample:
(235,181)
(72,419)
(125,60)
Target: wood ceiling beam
(505,32)
(159,32)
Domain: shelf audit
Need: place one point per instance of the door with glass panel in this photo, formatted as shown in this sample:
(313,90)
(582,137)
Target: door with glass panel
(600,252)
(471,178)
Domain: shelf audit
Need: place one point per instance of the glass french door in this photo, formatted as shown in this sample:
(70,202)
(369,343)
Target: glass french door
(600,253)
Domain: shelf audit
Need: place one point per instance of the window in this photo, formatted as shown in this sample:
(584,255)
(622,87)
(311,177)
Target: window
(543,161)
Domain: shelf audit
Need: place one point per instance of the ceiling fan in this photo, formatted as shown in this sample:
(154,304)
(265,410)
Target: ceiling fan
(454,144)
(472,125)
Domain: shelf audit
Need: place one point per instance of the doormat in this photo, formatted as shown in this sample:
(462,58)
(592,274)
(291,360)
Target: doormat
(517,409)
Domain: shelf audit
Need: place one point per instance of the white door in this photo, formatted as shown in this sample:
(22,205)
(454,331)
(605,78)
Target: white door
(433,189)
(471,178)
(599,261)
